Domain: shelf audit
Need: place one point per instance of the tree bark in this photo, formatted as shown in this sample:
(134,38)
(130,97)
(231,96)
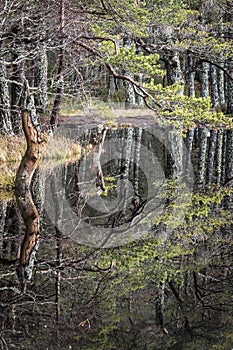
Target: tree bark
(16,94)
(201,166)
(219,156)
(41,79)
(61,69)
(214,86)
(5,115)
(211,157)
(191,76)
(24,200)
(129,90)
(204,79)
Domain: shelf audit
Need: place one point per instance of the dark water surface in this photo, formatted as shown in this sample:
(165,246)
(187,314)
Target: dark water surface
(135,248)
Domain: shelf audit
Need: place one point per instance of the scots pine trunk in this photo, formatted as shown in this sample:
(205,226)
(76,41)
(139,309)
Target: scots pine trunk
(175,155)
(41,79)
(138,138)
(219,157)
(221,87)
(111,86)
(5,104)
(204,80)
(175,142)
(229,84)
(139,98)
(230,95)
(189,145)
(214,86)
(17,94)
(211,156)
(60,74)
(191,75)
(174,72)
(129,90)
(229,156)
(202,145)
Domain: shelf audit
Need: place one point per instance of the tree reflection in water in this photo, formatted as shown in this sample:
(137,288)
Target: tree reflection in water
(170,290)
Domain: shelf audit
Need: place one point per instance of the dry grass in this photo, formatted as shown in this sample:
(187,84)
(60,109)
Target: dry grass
(59,150)
(12,149)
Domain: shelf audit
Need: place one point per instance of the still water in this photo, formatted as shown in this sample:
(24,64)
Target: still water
(135,246)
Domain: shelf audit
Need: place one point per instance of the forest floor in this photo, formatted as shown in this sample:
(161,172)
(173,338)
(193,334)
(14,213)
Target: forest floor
(109,117)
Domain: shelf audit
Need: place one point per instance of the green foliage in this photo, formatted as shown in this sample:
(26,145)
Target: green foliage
(129,60)
(188,110)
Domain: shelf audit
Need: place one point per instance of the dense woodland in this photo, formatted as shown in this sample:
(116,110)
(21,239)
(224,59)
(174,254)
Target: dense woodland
(145,53)
(62,286)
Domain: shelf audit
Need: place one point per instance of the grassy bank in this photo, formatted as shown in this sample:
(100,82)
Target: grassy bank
(12,149)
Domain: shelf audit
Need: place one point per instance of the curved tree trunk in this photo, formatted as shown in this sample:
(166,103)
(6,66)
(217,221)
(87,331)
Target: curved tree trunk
(24,200)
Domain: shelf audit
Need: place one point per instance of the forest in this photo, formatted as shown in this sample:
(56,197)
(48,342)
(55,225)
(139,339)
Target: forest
(116,174)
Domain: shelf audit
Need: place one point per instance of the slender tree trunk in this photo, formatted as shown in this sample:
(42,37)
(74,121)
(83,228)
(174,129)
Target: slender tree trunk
(111,86)
(129,90)
(175,155)
(41,79)
(139,98)
(201,166)
(3,210)
(221,87)
(125,166)
(229,83)
(5,115)
(58,211)
(138,137)
(60,74)
(219,155)
(204,80)
(16,94)
(211,155)
(230,95)
(229,157)
(214,86)
(159,309)
(191,75)
(96,169)
(189,146)
(223,176)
